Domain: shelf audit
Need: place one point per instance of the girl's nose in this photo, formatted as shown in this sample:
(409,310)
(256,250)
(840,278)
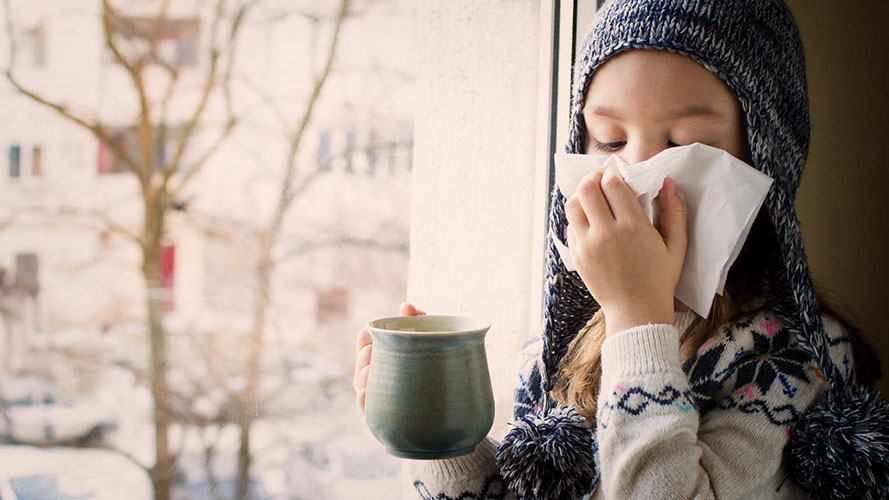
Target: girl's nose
(637,151)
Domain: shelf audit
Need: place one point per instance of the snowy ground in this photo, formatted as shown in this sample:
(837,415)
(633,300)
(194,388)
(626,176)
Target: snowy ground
(317,447)
(326,453)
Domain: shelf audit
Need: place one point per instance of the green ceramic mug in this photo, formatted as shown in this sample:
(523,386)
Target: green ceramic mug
(429,391)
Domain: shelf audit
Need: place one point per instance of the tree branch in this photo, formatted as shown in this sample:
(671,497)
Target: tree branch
(172,72)
(109,19)
(209,84)
(287,193)
(192,170)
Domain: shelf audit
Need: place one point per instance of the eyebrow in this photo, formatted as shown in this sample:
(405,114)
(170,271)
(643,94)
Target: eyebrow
(693,111)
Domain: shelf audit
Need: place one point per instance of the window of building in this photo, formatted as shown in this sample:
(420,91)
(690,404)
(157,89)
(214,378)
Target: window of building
(37,161)
(26,272)
(349,150)
(372,153)
(322,157)
(332,304)
(171,41)
(15,161)
(33,48)
(168,271)
(127,138)
(391,152)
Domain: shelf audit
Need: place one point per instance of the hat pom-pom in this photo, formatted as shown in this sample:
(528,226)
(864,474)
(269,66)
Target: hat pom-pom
(548,456)
(840,447)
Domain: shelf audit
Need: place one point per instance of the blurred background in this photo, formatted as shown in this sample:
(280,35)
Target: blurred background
(202,202)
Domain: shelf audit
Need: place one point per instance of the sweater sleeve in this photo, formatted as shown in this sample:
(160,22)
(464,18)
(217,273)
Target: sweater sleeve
(717,431)
(476,476)
(471,476)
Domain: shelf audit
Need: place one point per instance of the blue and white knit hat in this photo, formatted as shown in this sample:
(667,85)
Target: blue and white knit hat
(754,47)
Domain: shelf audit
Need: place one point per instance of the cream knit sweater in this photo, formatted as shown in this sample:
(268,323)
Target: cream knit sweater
(714,426)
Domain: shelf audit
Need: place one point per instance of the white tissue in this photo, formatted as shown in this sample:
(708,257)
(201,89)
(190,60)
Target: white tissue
(722,196)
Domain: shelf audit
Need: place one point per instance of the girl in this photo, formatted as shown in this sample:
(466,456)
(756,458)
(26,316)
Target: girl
(679,406)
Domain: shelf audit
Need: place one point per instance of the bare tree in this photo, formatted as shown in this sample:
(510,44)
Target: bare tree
(291,187)
(161,180)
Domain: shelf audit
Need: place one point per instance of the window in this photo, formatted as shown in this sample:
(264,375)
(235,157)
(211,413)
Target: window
(15,161)
(350,147)
(127,138)
(322,158)
(21,166)
(332,304)
(109,162)
(392,153)
(33,48)
(372,153)
(340,258)
(37,161)
(168,271)
(172,41)
(26,272)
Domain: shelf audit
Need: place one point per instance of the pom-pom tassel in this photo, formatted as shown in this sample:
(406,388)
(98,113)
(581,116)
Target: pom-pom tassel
(840,447)
(549,456)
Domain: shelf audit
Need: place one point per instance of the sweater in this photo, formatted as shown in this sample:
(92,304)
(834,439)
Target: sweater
(713,426)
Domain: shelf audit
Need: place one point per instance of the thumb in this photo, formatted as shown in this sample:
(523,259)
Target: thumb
(408,309)
(673,228)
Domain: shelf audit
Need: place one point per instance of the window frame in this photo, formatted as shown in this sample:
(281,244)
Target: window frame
(559,19)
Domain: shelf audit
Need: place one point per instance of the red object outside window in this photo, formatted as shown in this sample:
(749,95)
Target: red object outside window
(168,271)
(104,160)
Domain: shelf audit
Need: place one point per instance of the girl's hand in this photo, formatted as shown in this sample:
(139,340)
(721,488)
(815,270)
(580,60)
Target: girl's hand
(364,346)
(629,267)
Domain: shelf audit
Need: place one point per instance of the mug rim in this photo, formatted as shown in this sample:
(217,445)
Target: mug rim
(476,325)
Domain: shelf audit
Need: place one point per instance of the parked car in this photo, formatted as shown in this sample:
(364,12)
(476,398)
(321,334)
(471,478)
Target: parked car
(30,473)
(37,411)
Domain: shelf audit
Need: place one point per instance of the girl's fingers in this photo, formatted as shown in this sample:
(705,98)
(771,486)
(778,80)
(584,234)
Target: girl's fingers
(364,339)
(362,361)
(360,381)
(592,199)
(577,220)
(673,223)
(408,309)
(361,399)
(619,196)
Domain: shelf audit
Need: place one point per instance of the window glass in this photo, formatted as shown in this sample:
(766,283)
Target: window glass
(15,160)
(190,321)
(37,161)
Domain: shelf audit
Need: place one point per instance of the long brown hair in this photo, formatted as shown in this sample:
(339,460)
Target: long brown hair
(578,378)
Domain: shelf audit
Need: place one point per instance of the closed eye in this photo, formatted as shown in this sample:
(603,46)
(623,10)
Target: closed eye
(608,147)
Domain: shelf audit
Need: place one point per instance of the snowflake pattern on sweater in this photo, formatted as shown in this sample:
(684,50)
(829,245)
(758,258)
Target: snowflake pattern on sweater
(492,489)
(741,366)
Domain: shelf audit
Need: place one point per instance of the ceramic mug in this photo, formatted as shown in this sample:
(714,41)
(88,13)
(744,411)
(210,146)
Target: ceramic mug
(429,391)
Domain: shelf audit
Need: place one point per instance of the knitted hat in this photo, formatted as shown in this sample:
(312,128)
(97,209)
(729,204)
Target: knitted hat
(754,47)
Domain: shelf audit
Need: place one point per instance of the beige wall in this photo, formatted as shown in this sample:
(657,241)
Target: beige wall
(473,178)
(841,203)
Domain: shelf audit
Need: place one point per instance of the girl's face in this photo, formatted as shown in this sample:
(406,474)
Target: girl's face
(641,102)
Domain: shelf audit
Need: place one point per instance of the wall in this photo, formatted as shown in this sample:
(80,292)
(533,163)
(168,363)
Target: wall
(841,202)
(474,164)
